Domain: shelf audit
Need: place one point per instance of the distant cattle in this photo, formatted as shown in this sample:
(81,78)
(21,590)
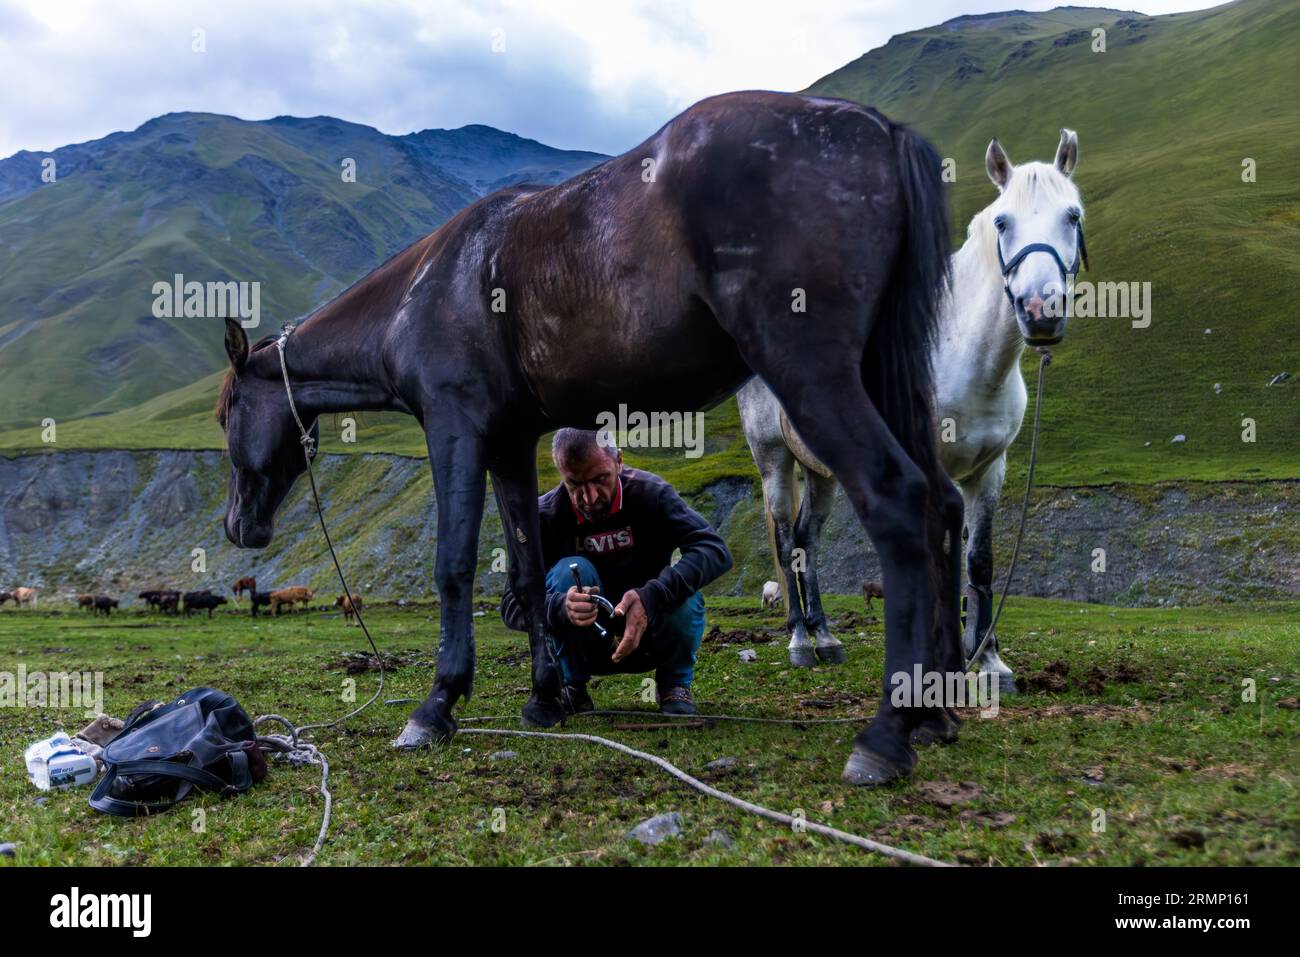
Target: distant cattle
(259,599)
(350,606)
(771,594)
(5,596)
(105,604)
(290,597)
(872,590)
(203,601)
(25,596)
(162,600)
(248,583)
(86,601)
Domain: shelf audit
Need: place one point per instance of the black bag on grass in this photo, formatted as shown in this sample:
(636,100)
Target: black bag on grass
(203,739)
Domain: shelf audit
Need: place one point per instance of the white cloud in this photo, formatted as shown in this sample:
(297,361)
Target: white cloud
(574,73)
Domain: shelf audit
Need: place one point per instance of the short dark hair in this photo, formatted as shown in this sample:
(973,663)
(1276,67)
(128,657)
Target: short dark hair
(579,445)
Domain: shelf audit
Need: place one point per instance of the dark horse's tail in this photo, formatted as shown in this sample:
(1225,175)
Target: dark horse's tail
(896,366)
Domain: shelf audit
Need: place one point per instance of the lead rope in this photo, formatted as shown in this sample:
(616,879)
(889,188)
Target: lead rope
(289,746)
(302,752)
(710,791)
(1043,363)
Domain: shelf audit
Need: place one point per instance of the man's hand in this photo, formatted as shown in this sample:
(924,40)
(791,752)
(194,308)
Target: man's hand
(580,609)
(631,609)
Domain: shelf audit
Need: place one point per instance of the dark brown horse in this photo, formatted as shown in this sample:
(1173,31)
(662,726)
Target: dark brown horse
(799,238)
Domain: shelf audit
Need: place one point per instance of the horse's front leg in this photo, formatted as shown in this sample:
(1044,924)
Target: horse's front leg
(818,499)
(456,454)
(514,480)
(981,496)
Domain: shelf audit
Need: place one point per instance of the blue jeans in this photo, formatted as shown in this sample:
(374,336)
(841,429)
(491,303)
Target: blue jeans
(668,644)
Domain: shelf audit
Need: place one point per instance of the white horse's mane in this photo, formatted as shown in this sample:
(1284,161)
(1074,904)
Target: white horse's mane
(1028,182)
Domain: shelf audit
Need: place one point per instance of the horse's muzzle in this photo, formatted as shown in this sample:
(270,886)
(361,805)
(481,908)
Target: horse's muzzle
(247,534)
(1041,332)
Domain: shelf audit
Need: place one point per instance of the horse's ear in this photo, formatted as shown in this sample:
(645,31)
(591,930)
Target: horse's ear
(236,345)
(998,164)
(1067,154)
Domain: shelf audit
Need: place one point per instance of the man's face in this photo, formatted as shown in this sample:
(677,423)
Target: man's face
(591,482)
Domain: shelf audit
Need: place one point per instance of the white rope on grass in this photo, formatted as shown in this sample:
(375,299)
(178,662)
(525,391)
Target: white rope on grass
(847,838)
(602,712)
(287,747)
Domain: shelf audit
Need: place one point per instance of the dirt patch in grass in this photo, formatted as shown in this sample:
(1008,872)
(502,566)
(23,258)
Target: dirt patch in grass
(1101,712)
(740,636)
(948,794)
(856,621)
(359,662)
(1057,677)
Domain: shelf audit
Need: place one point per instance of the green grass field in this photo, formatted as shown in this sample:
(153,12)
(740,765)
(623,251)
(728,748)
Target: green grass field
(1148,727)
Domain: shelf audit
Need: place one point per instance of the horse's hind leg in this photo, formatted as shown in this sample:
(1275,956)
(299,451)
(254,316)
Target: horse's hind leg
(941,725)
(514,480)
(819,495)
(778,498)
(460,480)
(831,410)
(759,412)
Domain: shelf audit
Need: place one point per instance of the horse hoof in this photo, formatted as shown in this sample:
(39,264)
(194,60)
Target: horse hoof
(868,769)
(541,712)
(803,656)
(831,654)
(936,730)
(416,735)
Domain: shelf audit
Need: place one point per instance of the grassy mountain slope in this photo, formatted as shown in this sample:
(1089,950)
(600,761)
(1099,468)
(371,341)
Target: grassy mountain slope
(213,198)
(1165,117)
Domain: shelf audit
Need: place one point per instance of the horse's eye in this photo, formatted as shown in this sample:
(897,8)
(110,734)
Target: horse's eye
(1074,213)
(1000,223)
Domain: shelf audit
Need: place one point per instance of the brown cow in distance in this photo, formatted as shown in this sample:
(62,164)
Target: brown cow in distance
(872,590)
(248,582)
(350,606)
(290,596)
(25,596)
(86,601)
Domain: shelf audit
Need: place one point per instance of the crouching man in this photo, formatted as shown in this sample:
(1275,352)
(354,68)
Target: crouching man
(620,526)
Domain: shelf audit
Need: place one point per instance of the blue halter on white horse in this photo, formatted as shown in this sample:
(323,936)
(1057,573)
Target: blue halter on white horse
(995,304)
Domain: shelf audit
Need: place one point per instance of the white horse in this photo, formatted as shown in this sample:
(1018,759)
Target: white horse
(1010,283)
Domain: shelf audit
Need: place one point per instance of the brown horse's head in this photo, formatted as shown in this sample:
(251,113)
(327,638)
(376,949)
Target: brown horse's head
(266,454)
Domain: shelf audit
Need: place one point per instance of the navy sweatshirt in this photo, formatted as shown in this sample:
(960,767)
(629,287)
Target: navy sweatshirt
(631,549)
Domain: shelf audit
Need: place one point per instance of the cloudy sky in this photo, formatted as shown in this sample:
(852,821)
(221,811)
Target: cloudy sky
(581,74)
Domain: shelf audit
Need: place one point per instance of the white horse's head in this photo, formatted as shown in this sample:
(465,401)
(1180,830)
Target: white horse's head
(1037,223)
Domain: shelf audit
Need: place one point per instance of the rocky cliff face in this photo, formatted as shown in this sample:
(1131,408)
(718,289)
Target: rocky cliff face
(121,522)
